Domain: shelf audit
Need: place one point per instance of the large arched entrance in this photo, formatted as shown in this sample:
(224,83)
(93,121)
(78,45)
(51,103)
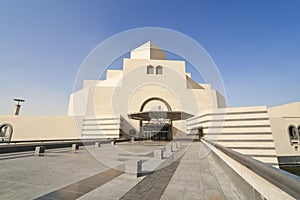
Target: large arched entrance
(154,102)
(156,118)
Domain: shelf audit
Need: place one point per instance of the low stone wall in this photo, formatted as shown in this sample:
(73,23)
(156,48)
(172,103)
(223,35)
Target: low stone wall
(248,191)
(251,184)
(43,127)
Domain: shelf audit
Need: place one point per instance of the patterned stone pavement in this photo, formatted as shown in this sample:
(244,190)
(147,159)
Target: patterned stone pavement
(63,174)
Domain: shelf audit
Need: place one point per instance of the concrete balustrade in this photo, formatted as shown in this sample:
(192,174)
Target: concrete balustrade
(158,154)
(39,150)
(134,167)
(75,147)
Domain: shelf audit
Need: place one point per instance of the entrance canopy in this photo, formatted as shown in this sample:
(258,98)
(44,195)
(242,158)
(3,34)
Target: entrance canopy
(171,115)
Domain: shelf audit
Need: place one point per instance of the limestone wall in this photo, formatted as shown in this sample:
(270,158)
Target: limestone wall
(281,136)
(125,91)
(42,127)
(246,130)
(281,117)
(103,126)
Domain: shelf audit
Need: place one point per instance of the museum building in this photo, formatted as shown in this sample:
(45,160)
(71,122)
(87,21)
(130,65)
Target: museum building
(153,98)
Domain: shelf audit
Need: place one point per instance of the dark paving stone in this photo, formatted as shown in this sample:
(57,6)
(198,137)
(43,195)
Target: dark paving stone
(62,194)
(82,187)
(153,186)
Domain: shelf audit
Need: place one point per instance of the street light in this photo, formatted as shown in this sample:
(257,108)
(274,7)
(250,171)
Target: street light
(18,106)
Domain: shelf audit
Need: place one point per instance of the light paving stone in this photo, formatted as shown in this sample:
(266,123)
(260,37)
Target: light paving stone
(172,194)
(212,193)
(41,175)
(176,186)
(192,194)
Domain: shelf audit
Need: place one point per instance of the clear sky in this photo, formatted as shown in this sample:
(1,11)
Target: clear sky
(255,44)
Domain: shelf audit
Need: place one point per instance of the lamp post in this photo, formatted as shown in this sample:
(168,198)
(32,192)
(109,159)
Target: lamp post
(18,106)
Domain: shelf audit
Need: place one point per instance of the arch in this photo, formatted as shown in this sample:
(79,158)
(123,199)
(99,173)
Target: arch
(150,69)
(298,130)
(159,69)
(152,99)
(6,131)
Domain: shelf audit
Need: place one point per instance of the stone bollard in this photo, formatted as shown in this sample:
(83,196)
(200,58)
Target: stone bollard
(168,148)
(131,139)
(134,167)
(178,144)
(112,142)
(39,150)
(173,147)
(75,147)
(97,144)
(158,154)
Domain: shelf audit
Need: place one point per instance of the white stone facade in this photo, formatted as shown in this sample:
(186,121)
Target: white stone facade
(147,77)
(149,82)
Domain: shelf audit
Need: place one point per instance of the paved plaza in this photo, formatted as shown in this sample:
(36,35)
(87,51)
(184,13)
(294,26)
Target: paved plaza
(89,174)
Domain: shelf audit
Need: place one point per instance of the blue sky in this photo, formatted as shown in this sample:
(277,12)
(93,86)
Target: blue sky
(255,44)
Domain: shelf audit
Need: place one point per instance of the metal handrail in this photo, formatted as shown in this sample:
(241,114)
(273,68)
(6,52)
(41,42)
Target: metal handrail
(288,182)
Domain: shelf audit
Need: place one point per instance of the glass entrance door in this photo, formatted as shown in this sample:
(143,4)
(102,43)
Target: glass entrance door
(155,132)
